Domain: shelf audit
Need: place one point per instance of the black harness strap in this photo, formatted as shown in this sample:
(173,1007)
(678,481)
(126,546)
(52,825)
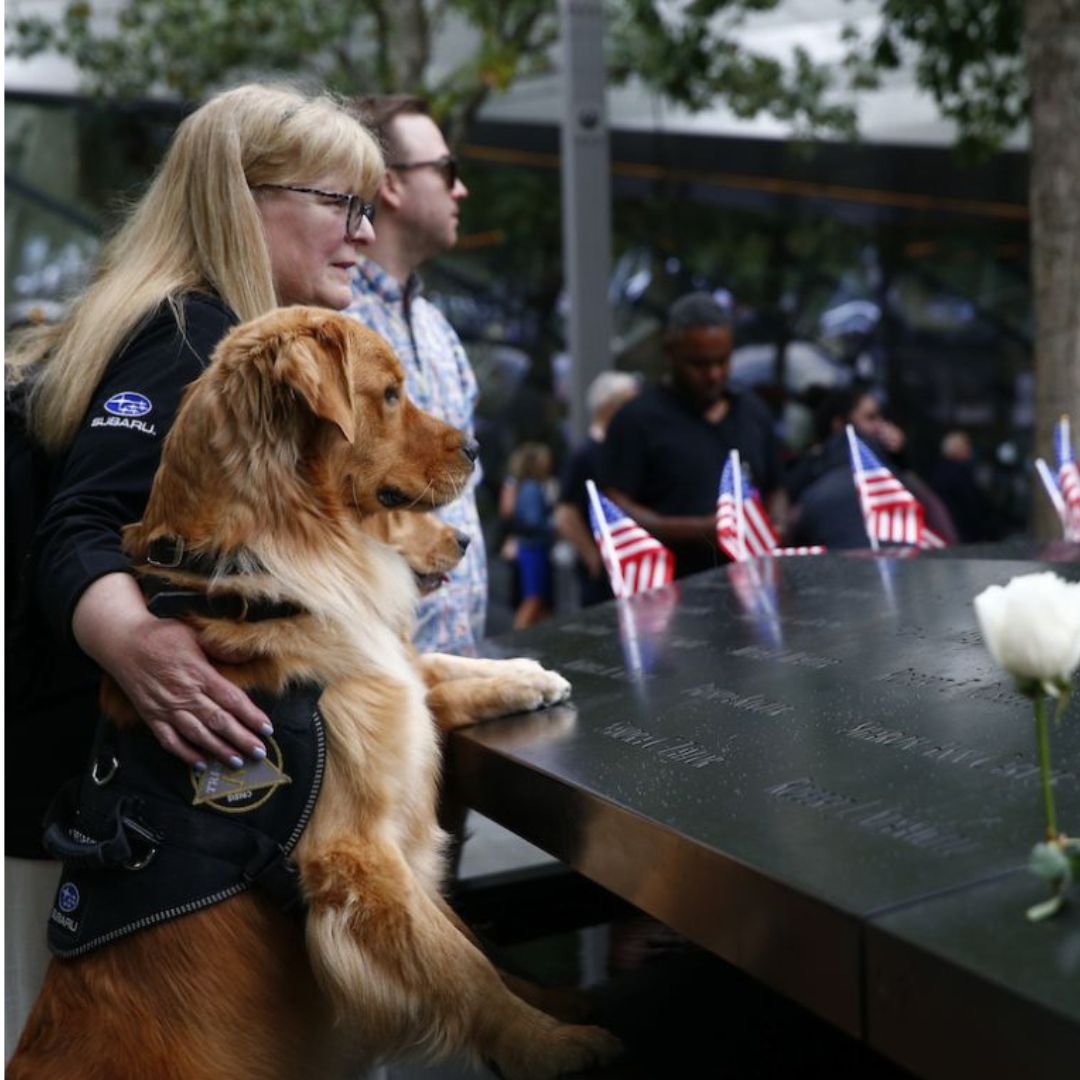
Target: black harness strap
(170,601)
(167,601)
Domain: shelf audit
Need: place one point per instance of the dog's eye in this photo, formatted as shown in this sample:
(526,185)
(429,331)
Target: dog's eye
(391,395)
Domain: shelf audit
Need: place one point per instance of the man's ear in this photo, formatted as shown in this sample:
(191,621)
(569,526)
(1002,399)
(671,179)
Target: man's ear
(391,190)
(315,364)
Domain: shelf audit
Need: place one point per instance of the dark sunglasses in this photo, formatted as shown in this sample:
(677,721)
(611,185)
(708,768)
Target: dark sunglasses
(355,208)
(447,165)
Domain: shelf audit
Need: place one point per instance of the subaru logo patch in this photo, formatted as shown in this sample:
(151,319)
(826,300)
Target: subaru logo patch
(68,897)
(128,403)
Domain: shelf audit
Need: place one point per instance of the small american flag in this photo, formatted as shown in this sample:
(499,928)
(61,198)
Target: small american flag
(1068,477)
(743,529)
(634,559)
(892,513)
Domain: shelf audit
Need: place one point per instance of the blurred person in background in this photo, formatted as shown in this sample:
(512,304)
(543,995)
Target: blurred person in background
(821,485)
(606,395)
(526,506)
(419,202)
(665,450)
(954,479)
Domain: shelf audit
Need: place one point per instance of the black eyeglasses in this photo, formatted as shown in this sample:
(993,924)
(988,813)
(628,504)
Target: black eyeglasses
(355,208)
(447,165)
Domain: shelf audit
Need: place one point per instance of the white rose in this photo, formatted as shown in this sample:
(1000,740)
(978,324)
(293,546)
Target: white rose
(1032,628)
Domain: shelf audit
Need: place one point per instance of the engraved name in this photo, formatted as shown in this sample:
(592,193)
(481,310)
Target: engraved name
(783,656)
(754,703)
(680,750)
(997,692)
(594,667)
(848,593)
(1012,767)
(589,629)
(889,821)
(686,643)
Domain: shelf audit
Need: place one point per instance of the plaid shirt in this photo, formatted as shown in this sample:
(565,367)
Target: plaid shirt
(439,379)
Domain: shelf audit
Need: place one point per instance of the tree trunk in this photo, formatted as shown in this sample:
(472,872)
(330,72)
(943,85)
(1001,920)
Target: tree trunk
(410,36)
(1052,45)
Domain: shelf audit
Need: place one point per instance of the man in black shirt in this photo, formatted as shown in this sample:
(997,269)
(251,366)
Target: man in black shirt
(665,450)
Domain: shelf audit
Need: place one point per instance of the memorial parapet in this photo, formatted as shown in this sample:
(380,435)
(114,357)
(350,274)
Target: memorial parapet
(774,756)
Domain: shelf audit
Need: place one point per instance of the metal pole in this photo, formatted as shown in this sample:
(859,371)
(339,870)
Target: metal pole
(586,192)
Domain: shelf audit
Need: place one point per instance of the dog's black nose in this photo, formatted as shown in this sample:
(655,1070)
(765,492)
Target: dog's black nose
(471,449)
(462,541)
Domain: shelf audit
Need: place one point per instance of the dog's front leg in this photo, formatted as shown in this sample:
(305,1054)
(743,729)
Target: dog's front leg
(444,667)
(463,691)
(404,976)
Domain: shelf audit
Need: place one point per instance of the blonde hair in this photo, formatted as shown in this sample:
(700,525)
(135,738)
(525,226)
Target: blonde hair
(530,461)
(197,228)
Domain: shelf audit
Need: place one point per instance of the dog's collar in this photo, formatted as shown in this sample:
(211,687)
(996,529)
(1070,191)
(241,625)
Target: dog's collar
(171,553)
(167,600)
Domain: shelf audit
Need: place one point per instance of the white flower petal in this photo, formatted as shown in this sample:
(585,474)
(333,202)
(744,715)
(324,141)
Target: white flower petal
(1032,626)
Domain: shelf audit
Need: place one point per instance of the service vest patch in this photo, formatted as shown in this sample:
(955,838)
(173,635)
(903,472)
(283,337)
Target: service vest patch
(147,838)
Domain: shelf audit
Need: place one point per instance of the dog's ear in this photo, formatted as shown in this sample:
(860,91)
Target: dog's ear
(316,365)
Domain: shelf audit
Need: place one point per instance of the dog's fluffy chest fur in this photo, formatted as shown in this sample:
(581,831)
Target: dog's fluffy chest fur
(383,742)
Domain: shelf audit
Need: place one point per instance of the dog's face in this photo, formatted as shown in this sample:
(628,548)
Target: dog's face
(323,388)
(430,547)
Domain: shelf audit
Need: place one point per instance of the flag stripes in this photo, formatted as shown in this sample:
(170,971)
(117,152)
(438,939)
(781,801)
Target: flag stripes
(634,559)
(743,528)
(893,515)
(1068,478)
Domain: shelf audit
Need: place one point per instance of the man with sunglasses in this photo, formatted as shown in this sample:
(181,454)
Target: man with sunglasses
(417,211)
(665,450)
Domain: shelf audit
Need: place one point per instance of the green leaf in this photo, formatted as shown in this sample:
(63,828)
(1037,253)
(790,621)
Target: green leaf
(1046,910)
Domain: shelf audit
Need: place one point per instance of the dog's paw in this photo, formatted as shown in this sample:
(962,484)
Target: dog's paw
(566,1049)
(556,688)
(519,667)
(541,687)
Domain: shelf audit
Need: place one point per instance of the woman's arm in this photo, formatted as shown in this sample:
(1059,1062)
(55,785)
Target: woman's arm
(82,585)
(192,710)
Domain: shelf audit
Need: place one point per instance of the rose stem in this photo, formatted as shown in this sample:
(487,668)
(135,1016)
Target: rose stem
(1042,731)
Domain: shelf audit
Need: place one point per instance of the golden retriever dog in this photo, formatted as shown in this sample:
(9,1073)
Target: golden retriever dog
(461,690)
(298,431)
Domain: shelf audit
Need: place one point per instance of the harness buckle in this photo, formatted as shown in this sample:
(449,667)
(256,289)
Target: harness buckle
(138,862)
(97,777)
(166,552)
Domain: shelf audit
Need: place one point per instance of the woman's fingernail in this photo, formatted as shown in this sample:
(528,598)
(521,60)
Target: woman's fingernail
(236,761)
(267,729)
(199,766)
(258,753)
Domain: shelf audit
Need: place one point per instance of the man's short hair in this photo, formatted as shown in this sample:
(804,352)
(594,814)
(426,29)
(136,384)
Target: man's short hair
(695,310)
(607,386)
(377,112)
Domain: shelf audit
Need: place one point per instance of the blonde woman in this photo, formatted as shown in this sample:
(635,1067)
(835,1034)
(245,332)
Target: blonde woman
(263,199)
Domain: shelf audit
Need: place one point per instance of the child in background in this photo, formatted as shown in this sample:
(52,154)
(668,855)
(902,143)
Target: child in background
(526,504)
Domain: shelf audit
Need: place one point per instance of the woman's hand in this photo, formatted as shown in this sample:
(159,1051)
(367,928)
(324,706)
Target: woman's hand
(193,711)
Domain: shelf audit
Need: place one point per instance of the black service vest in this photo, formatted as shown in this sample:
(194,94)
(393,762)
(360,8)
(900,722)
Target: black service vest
(145,838)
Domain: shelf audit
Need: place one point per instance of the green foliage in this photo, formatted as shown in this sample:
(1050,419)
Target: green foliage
(686,51)
(967,54)
(695,60)
(189,46)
